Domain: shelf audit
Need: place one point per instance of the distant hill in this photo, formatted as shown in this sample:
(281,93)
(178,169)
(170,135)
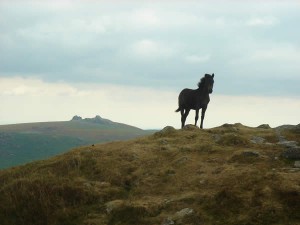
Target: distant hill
(232,174)
(22,143)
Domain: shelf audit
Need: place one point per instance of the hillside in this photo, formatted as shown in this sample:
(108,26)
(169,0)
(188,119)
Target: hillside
(23,143)
(230,175)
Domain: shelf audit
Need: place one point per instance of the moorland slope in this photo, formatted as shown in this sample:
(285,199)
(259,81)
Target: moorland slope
(230,175)
(23,143)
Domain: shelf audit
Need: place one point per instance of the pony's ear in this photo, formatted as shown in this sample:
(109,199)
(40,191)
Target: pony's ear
(213,75)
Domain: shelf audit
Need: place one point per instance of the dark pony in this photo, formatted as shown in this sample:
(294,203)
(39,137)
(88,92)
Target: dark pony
(196,99)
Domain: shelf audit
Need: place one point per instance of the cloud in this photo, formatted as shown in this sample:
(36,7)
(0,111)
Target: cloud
(262,21)
(282,53)
(152,44)
(149,49)
(155,17)
(197,58)
(145,18)
(68,34)
(34,87)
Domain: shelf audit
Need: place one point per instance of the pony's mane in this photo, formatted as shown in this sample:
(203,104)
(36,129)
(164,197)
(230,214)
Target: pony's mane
(202,81)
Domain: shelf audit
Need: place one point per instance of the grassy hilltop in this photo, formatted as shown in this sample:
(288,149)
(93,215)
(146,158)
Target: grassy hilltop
(230,175)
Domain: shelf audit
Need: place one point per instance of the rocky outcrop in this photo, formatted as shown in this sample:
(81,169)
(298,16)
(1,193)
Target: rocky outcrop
(76,118)
(257,140)
(97,119)
(292,148)
(292,153)
(264,126)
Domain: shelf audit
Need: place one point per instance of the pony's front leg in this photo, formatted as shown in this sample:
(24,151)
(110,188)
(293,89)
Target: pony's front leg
(197,116)
(202,116)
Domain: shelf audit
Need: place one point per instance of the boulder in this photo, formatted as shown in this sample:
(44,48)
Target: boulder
(165,132)
(168,129)
(297,164)
(190,127)
(292,153)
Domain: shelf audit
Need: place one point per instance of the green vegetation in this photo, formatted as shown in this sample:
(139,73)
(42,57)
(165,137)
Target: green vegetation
(19,148)
(190,176)
(23,143)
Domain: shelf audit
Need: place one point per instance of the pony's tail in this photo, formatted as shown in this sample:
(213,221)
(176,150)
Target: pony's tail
(177,110)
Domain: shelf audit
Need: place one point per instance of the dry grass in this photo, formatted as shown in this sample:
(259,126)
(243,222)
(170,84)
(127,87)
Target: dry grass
(219,173)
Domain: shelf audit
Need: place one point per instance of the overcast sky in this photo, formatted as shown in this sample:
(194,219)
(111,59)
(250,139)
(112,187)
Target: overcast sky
(128,60)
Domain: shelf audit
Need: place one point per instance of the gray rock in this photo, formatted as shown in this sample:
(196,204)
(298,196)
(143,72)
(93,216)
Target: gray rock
(178,217)
(250,154)
(257,140)
(292,150)
(76,118)
(165,131)
(190,127)
(182,213)
(168,221)
(292,153)
(168,129)
(297,164)
(269,144)
(288,144)
(98,119)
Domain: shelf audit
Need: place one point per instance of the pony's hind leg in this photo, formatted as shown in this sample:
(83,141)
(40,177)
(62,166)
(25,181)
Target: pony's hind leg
(184,116)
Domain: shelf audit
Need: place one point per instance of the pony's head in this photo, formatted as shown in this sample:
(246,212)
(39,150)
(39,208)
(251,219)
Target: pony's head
(207,82)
